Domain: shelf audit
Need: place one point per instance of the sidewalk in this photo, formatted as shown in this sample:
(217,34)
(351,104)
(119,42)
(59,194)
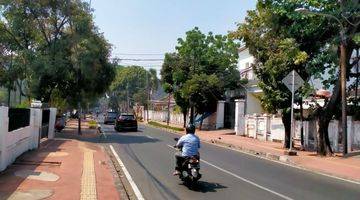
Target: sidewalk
(346,168)
(61,169)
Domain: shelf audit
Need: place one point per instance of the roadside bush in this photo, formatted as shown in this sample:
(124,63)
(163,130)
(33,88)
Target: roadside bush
(165,126)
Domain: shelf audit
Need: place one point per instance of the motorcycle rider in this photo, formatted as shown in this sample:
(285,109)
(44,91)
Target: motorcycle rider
(190,144)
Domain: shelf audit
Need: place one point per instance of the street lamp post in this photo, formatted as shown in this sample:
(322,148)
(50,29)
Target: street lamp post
(343,64)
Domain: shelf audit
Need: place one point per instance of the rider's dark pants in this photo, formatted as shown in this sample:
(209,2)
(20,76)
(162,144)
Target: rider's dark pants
(180,160)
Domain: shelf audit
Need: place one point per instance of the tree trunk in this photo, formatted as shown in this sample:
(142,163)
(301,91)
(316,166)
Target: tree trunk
(79,119)
(201,123)
(9,97)
(184,115)
(324,147)
(286,119)
(324,117)
(192,115)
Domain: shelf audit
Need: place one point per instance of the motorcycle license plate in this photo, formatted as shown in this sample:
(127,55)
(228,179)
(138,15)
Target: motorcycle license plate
(194,166)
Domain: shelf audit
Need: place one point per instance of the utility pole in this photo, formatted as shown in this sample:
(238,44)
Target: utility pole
(357,78)
(168,113)
(79,102)
(147,96)
(127,98)
(292,110)
(9,84)
(343,93)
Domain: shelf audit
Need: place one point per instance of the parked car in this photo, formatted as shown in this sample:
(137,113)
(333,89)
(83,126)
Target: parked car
(126,122)
(110,118)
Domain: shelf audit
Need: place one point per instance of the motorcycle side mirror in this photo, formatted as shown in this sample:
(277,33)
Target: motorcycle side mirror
(176,139)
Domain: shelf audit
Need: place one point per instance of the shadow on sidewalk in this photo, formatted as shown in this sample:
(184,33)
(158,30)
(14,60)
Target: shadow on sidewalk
(30,161)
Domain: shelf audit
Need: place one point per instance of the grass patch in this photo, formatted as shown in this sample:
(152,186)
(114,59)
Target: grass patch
(165,126)
(92,124)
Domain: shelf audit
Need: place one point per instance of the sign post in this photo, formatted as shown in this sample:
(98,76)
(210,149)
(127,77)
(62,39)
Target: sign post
(293,82)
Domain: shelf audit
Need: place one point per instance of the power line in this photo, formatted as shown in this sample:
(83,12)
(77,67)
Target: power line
(140,59)
(140,54)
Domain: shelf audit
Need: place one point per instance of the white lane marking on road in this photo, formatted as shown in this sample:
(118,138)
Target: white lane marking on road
(243,179)
(128,176)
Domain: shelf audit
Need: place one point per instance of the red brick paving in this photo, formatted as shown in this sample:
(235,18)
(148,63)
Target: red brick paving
(68,186)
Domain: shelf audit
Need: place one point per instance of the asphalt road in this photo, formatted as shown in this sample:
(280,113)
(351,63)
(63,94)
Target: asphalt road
(227,174)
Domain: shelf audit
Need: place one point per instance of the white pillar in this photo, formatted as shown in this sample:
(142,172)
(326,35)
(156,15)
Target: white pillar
(4,125)
(267,126)
(36,118)
(306,134)
(220,114)
(240,117)
(52,120)
(350,133)
(336,136)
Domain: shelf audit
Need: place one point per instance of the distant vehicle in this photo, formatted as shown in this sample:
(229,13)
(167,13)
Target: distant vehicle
(126,122)
(110,117)
(60,122)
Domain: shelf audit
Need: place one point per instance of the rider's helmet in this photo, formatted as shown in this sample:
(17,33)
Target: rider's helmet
(190,128)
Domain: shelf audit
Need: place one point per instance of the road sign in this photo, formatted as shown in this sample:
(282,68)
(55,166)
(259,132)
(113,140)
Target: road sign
(298,81)
(293,82)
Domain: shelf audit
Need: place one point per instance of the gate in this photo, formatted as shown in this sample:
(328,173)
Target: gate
(229,115)
(45,123)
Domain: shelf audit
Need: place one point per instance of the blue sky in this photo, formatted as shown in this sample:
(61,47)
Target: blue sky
(153,26)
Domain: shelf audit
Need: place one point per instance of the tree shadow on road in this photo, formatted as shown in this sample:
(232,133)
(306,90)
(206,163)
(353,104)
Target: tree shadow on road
(205,187)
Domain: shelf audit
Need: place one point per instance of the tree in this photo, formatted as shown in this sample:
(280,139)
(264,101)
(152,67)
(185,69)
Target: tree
(199,56)
(174,73)
(57,47)
(281,40)
(132,85)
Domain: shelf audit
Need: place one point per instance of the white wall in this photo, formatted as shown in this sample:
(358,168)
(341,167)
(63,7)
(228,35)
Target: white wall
(4,122)
(161,116)
(253,105)
(356,137)
(52,120)
(244,58)
(15,143)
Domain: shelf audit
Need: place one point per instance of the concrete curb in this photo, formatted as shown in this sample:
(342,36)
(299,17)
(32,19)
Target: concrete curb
(270,156)
(282,159)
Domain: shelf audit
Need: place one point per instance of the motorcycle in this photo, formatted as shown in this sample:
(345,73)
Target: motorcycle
(60,123)
(189,170)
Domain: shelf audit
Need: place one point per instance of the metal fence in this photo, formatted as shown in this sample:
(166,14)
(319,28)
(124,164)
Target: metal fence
(18,118)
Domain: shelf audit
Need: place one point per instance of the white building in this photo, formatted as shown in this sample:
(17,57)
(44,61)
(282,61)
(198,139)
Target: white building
(253,92)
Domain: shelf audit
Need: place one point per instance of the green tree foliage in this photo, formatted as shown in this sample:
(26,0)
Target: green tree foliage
(281,40)
(132,82)
(200,70)
(56,47)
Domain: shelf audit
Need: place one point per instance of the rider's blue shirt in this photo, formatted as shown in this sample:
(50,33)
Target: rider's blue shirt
(190,145)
